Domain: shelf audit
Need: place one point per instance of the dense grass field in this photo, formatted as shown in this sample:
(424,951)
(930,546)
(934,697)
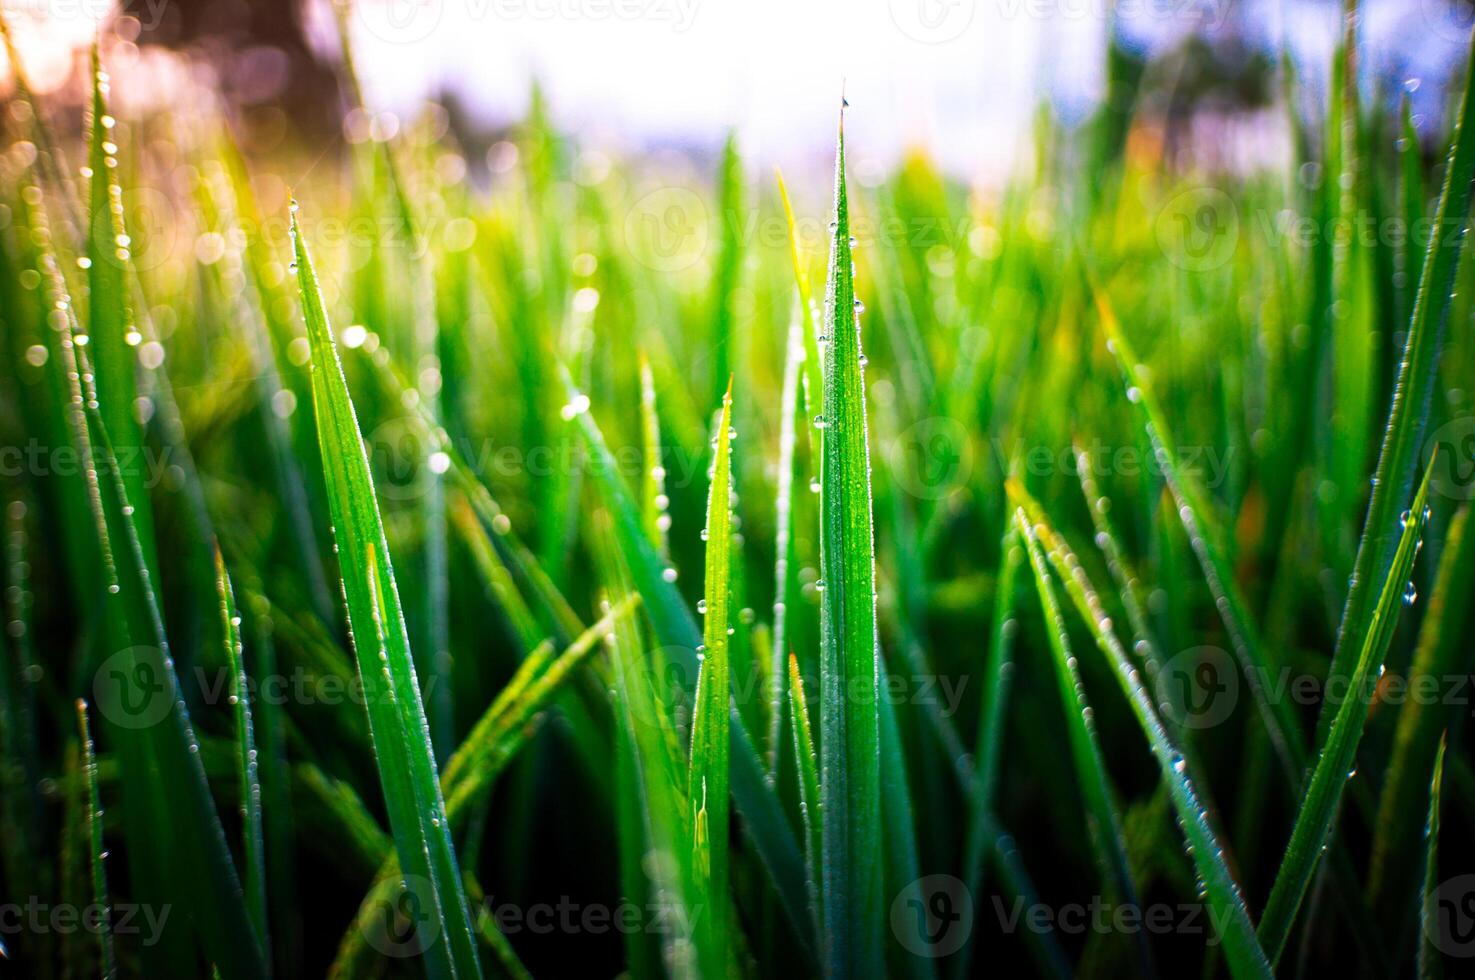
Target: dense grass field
(421,560)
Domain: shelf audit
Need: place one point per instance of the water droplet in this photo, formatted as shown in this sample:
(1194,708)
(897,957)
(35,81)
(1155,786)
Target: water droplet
(819,421)
(1410,594)
(668,575)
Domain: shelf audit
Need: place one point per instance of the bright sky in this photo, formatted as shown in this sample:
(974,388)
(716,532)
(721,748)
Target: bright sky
(958,76)
(961,77)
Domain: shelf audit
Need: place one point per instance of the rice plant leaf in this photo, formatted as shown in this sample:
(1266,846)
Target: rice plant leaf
(653,486)
(1413,393)
(785,557)
(1334,767)
(107,958)
(707,777)
(1411,187)
(808,774)
(1443,652)
(998,673)
(253,840)
(901,865)
(1103,821)
(677,631)
(403,751)
(658,773)
(850,777)
(1210,546)
(113,337)
(494,741)
(1242,950)
(165,788)
(1431,959)
(726,276)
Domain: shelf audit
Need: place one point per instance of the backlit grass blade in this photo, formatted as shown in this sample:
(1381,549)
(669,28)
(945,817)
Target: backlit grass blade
(1443,652)
(1411,187)
(677,632)
(1116,560)
(176,845)
(707,777)
(901,865)
(785,569)
(1431,959)
(729,266)
(21,807)
(658,772)
(496,527)
(850,777)
(107,959)
(1413,394)
(254,863)
(653,500)
(1242,950)
(401,738)
(998,673)
(808,769)
(1209,544)
(494,741)
(113,338)
(1336,764)
(1103,821)
(420,341)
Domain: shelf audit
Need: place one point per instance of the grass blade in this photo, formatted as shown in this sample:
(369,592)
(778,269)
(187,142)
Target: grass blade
(253,846)
(785,561)
(1334,767)
(401,738)
(1443,652)
(676,630)
(1103,821)
(707,778)
(1209,545)
(808,786)
(107,958)
(850,777)
(1241,948)
(113,338)
(998,672)
(1413,394)
(1431,961)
